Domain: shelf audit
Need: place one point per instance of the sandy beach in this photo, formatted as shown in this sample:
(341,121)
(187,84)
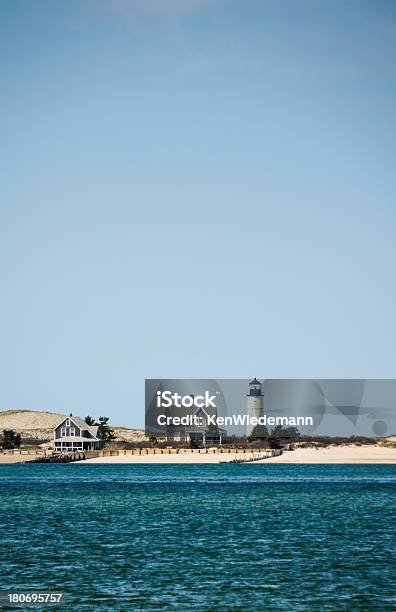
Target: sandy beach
(174,458)
(338,454)
(8,458)
(332,454)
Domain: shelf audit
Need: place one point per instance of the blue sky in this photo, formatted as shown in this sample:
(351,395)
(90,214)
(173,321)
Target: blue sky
(198,189)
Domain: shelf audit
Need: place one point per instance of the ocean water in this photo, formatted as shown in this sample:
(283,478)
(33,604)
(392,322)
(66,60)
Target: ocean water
(207,537)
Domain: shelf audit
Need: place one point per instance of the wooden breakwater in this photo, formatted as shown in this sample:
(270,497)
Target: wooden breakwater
(268,452)
(60,458)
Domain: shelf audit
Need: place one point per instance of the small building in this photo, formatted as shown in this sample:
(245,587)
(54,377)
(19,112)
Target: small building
(202,433)
(73,434)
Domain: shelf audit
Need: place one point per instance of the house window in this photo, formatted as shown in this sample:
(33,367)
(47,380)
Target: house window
(202,418)
(63,432)
(67,422)
(72,431)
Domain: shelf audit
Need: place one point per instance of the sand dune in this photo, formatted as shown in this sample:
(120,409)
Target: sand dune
(39,425)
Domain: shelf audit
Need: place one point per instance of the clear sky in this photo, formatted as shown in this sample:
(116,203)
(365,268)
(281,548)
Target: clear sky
(193,189)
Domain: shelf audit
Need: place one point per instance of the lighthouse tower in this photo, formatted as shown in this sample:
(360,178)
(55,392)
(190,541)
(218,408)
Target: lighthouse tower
(254,403)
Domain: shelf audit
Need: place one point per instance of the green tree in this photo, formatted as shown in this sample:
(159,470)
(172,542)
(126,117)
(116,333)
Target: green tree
(279,432)
(260,432)
(104,430)
(89,420)
(10,439)
(193,443)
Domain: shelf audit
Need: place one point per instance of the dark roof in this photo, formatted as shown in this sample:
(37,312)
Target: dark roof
(93,429)
(175,411)
(255,382)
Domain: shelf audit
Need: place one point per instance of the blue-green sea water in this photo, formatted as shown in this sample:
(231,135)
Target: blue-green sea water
(201,537)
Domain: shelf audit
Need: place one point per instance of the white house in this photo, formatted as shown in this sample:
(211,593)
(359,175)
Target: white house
(74,434)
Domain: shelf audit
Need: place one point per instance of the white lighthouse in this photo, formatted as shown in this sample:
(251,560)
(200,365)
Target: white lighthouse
(254,403)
